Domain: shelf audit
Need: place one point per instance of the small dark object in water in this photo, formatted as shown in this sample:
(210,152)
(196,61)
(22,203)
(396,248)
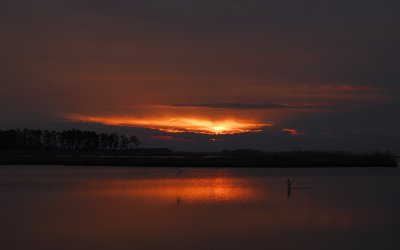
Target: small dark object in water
(290,187)
(289,183)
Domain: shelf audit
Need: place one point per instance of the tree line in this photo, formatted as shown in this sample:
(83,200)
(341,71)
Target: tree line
(313,158)
(66,140)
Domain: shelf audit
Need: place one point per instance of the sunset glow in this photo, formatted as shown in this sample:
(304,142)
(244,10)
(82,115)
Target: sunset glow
(179,124)
(292,131)
(193,190)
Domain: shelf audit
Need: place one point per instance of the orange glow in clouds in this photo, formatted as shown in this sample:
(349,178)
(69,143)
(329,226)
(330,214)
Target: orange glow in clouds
(179,124)
(292,131)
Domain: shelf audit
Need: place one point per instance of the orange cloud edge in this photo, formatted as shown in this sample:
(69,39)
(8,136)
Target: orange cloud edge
(292,131)
(179,124)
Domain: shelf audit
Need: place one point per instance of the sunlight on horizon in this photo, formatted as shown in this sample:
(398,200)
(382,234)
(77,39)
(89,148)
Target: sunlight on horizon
(180,124)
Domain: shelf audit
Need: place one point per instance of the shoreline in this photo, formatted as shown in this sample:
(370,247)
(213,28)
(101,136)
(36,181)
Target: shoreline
(232,159)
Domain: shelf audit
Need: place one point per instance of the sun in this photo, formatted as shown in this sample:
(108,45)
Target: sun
(219,129)
(180,124)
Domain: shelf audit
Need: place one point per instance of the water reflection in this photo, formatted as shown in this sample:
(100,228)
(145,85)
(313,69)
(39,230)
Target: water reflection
(192,190)
(103,208)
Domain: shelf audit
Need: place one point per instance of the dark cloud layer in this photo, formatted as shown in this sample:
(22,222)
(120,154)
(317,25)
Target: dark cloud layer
(257,106)
(337,58)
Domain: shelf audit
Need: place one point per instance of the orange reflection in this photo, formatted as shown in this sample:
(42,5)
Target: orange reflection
(179,124)
(215,189)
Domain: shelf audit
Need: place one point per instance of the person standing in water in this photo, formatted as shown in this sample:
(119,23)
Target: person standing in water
(289,183)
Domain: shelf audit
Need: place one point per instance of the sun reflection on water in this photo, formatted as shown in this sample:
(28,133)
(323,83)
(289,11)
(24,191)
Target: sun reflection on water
(193,190)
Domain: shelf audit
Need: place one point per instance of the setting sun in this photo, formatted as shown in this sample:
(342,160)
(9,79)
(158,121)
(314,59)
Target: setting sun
(180,124)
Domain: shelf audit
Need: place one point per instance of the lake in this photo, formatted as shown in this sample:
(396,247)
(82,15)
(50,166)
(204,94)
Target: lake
(59,207)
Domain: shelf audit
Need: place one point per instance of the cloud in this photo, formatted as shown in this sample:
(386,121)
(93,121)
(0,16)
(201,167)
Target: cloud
(296,64)
(169,138)
(232,105)
(292,131)
(182,124)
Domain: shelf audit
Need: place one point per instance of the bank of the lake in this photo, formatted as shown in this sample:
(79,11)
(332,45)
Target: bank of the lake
(166,158)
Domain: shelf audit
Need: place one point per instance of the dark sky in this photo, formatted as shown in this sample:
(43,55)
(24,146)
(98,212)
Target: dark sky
(281,75)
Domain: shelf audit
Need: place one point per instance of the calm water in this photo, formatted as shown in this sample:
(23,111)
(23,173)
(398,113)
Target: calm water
(54,207)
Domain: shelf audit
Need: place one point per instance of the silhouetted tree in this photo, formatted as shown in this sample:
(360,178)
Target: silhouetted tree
(124,142)
(67,140)
(90,140)
(133,140)
(49,139)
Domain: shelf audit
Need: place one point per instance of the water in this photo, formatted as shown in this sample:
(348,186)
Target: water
(55,207)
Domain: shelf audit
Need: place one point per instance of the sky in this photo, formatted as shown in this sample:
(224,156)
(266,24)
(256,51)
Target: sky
(206,75)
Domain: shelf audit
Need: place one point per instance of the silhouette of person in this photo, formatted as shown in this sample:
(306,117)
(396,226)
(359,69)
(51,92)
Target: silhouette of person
(289,183)
(289,187)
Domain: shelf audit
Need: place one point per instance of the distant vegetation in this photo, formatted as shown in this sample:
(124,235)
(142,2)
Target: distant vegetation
(76,147)
(71,140)
(313,158)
